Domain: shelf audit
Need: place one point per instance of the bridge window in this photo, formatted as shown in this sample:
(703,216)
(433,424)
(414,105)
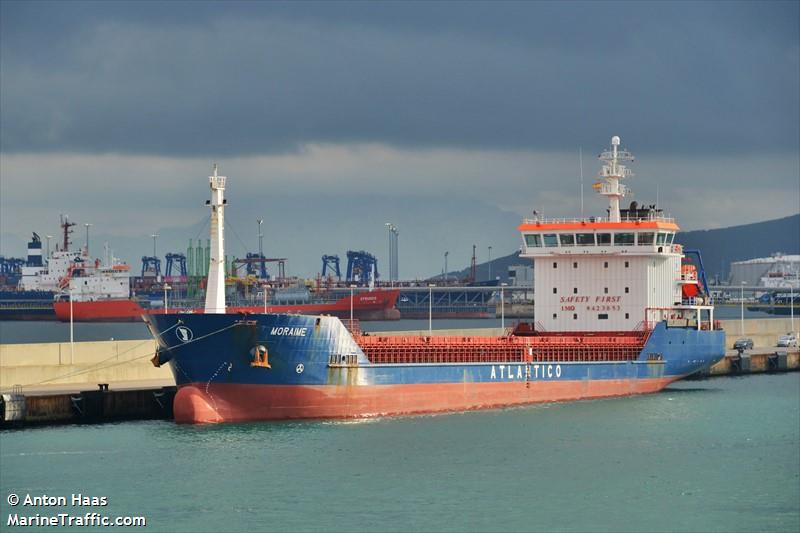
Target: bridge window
(533,240)
(670,236)
(646,239)
(585,239)
(623,239)
(661,238)
(550,240)
(567,239)
(603,239)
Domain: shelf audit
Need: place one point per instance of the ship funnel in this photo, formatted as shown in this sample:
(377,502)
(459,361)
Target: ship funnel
(215,290)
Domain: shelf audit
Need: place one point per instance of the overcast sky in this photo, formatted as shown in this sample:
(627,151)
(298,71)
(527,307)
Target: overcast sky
(451,120)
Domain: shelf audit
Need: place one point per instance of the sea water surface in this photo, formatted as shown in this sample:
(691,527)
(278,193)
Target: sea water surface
(719,454)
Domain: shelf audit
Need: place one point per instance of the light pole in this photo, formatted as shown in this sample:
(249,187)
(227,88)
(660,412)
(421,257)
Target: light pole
(396,253)
(260,238)
(154,236)
(351,307)
(502,306)
(445,266)
(87,226)
(390,262)
(166,303)
(490,263)
(71,331)
(430,309)
(741,305)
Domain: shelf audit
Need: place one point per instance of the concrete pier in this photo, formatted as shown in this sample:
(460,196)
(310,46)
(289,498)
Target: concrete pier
(65,366)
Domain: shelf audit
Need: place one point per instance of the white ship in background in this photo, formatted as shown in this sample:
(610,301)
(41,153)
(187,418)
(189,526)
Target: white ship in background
(72,272)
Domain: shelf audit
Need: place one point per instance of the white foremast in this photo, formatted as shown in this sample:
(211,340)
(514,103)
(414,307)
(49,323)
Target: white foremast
(612,172)
(215,291)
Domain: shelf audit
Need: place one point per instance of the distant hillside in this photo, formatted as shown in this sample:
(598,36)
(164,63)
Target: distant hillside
(719,247)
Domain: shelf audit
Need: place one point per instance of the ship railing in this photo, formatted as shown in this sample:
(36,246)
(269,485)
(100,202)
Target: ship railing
(353,326)
(652,217)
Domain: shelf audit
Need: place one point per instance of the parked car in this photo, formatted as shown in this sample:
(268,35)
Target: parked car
(787,341)
(743,344)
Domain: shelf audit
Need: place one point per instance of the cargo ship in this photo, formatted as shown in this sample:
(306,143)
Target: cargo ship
(40,279)
(618,312)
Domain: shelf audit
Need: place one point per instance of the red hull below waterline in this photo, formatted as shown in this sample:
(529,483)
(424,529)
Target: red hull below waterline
(373,305)
(222,402)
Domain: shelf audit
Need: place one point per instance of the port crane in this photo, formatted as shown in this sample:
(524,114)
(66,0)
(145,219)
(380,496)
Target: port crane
(360,267)
(331,262)
(151,266)
(172,260)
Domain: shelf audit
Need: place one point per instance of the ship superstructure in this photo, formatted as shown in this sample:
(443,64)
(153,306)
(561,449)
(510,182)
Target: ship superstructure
(618,312)
(614,273)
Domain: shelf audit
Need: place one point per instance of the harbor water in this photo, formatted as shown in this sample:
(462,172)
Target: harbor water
(710,455)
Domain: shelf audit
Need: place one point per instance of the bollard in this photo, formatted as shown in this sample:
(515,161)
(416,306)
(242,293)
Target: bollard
(777,362)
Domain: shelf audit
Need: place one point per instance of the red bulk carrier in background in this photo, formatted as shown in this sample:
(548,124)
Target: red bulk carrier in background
(378,304)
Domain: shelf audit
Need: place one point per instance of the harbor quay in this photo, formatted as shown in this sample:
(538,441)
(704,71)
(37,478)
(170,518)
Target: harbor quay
(90,382)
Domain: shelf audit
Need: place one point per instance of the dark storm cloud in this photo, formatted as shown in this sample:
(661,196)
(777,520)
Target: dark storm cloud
(247,78)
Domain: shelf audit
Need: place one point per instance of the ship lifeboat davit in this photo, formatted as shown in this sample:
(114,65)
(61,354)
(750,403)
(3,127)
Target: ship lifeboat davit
(192,406)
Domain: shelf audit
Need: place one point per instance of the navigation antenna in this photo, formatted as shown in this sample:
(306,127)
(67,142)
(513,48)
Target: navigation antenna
(612,172)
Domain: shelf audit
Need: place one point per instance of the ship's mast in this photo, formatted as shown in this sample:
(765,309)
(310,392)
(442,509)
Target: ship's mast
(612,172)
(215,291)
(66,225)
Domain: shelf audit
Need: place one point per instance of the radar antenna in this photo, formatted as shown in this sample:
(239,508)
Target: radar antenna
(612,172)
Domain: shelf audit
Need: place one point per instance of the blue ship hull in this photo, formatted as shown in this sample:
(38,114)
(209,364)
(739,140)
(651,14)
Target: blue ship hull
(272,366)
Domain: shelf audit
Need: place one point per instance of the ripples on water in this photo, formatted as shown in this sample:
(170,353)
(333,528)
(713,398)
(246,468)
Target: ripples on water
(714,455)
